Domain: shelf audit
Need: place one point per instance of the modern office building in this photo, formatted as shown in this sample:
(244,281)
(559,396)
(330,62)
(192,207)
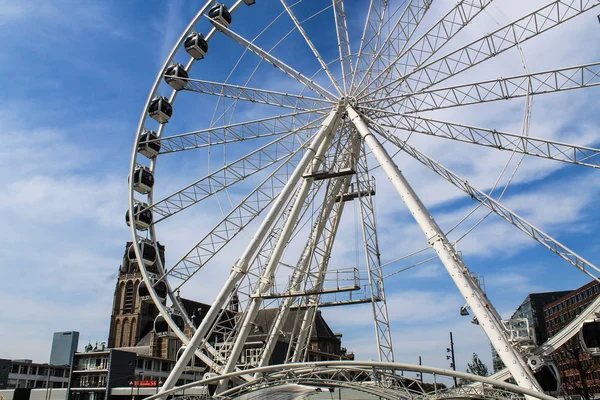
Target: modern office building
(4,372)
(64,345)
(29,375)
(104,374)
(570,359)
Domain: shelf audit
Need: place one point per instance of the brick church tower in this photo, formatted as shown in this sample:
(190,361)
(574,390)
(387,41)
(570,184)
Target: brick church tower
(131,319)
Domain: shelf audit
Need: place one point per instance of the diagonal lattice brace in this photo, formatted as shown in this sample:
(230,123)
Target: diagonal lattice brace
(238,132)
(520,223)
(558,80)
(255,95)
(490,45)
(428,44)
(552,150)
(383,332)
(343,40)
(384,63)
(232,173)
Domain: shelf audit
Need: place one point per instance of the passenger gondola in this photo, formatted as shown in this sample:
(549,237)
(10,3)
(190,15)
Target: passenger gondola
(196,45)
(143,180)
(149,145)
(143,219)
(147,250)
(548,378)
(221,14)
(162,328)
(160,109)
(160,288)
(589,336)
(249,2)
(176,76)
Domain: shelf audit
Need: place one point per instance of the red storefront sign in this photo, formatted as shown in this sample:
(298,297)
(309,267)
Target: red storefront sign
(145,383)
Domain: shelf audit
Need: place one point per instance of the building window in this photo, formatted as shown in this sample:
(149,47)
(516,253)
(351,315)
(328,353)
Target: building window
(579,297)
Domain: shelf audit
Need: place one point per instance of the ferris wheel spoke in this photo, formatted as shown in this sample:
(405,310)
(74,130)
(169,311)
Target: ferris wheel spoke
(254,95)
(343,40)
(538,235)
(569,78)
(309,83)
(239,132)
(549,149)
(312,46)
(396,41)
(428,44)
(369,43)
(497,42)
(233,223)
(234,172)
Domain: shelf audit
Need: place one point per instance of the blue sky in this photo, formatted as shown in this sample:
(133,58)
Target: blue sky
(75,79)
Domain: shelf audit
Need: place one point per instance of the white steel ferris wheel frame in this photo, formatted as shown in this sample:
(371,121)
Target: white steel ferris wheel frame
(383,87)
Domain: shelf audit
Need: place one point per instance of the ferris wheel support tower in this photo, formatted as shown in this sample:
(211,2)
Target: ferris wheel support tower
(488,319)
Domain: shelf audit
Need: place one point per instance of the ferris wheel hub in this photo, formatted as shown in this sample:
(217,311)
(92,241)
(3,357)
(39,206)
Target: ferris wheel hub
(346,101)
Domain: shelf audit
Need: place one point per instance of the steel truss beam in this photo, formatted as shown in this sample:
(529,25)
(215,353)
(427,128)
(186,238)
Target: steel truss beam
(384,62)
(429,43)
(238,132)
(531,146)
(343,40)
(308,82)
(312,47)
(460,274)
(538,235)
(319,260)
(268,275)
(237,219)
(371,37)
(254,95)
(494,43)
(558,80)
(302,272)
(234,172)
(241,267)
(372,254)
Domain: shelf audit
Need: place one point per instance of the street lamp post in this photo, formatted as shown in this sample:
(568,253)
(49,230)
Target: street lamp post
(451,357)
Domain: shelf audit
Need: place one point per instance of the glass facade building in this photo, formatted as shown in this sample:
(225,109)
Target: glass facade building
(64,345)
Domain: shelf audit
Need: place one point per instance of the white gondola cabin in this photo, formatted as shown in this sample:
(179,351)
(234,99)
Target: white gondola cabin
(143,180)
(142,217)
(589,336)
(149,145)
(221,14)
(162,328)
(160,109)
(147,250)
(176,76)
(160,288)
(549,378)
(196,45)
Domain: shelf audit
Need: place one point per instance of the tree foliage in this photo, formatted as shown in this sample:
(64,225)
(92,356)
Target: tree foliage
(477,367)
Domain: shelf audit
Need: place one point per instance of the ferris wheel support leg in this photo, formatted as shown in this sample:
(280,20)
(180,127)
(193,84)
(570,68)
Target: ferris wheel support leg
(240,268)
(267,277)
(304,269)
(460,274)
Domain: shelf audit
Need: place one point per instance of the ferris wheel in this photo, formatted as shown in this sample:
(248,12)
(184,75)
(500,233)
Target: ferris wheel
(267,160)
